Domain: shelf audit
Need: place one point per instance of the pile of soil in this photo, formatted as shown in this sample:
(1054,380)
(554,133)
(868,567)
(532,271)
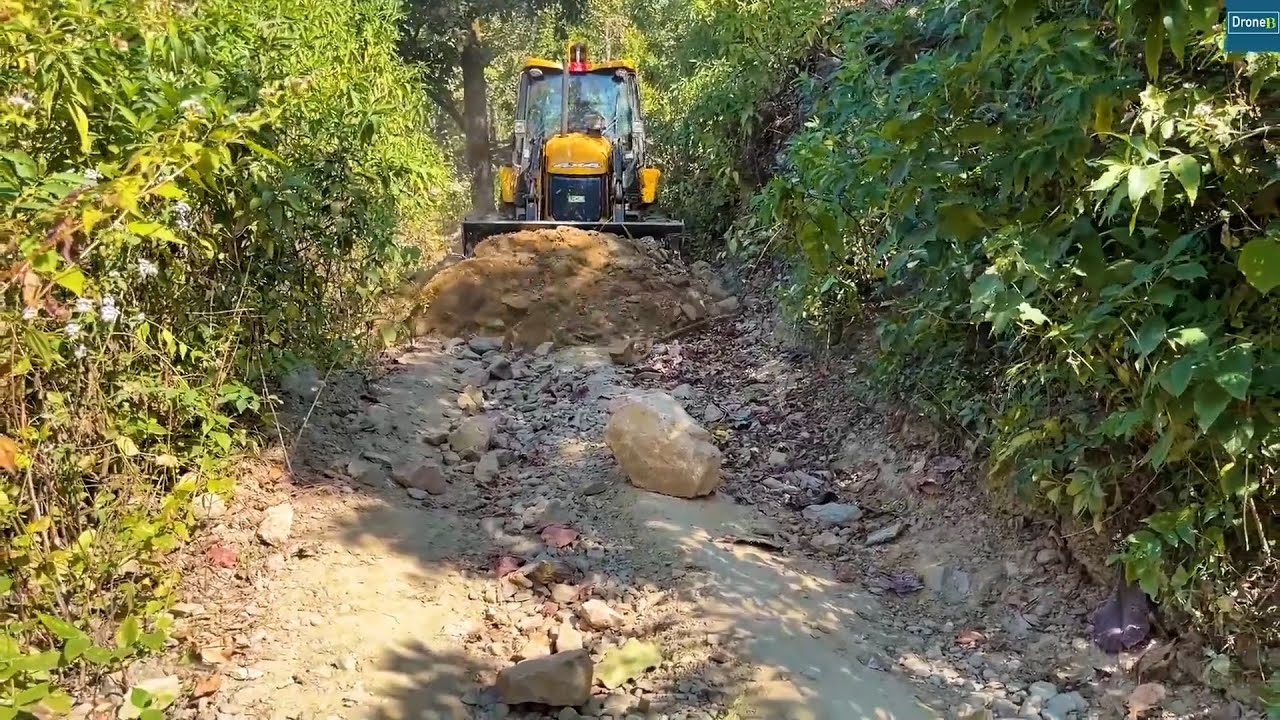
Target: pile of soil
(568,286)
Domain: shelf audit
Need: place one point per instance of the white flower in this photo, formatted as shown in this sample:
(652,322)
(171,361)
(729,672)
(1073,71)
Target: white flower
(29,313)
(191,105)
(147,269)
(72,329)
(81,351)
(20,101)
(182,208)
(84,305)
(109,312)
(137,319)
(92,175)
(114,274)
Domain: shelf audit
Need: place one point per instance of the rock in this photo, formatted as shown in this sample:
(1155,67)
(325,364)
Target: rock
(488,467)
(474,376)
(472,437)
(1042,690)
(1060,707)
(483,345)
(888,533)
(628,662)
(568,714)
(827,542)
(436,434)
(302,383)
(712,413)
(728,305)
(598,615)
(162,692)
(567,637)
(661,448)
(501,369)
(369,473)
(417,494)
(777,459)
(276,524)
(564,594)
(538,645)
(471,400)
(1046,556)
(833,514)
(426,475)
(187,610)
(683,392)
(544,349)
(208,506)
(559,680)
(376,419)
(517,302)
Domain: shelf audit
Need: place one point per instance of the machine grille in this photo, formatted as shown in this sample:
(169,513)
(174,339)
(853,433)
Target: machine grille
(577,198)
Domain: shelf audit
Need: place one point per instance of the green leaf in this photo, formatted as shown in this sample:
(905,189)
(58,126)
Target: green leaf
(1187,170)
(1142,180)
(1191,337)
(76,647)
(1235,371)
(1151,334)
(1260,263)
(1177,376)
(82,127)
(63,629)
(1030,314)
(1154,48)
(1209,403)
(1188,271)
(31,696)
(128,632)
(1109,178)
(72,279)
(961,222)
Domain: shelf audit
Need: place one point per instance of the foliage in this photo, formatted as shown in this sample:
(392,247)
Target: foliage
(1074,203)
(190,199)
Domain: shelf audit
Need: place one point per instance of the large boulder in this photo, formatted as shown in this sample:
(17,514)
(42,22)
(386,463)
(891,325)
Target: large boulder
(661,448)
(560,680)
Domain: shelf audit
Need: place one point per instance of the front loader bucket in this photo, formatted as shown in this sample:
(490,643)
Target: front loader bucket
(475,231)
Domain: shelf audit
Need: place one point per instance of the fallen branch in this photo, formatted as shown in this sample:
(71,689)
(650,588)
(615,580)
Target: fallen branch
(698,325)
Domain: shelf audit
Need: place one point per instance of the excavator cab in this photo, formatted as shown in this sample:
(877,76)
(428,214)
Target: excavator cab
(578,154)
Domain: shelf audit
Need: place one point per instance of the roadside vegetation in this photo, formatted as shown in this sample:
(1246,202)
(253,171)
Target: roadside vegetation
(193,198)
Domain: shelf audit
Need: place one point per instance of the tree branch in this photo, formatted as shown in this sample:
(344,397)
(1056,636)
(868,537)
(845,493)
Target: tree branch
(447,106)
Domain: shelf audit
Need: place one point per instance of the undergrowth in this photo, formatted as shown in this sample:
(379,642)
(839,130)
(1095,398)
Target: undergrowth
(190,199)
(1065,214)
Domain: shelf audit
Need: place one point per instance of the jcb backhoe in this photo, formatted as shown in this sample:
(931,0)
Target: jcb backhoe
(578,154)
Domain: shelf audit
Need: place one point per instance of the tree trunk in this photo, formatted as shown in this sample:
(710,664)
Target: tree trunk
(475,104)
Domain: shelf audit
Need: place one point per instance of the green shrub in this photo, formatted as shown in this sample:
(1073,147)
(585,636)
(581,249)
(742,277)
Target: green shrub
(1074,203)
(190,198)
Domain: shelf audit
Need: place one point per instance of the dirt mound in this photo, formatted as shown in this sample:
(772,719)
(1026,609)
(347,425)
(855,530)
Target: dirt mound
(568,286)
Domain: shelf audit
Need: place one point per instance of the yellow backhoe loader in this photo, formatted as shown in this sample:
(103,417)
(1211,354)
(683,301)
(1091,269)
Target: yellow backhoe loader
(578,154)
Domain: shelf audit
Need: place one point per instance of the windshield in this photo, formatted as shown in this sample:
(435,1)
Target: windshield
(593,98)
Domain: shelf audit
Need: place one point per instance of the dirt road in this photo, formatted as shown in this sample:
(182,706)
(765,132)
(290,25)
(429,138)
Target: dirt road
(460,511)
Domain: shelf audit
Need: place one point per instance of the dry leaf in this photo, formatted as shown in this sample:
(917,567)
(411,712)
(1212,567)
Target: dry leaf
(970,639)
(8,454)
(221,556)
(215,655)
(558,535)
(207,685)
(1145,697)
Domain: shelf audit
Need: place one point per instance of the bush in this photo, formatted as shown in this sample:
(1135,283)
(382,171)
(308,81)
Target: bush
(191,198)
(1073,202)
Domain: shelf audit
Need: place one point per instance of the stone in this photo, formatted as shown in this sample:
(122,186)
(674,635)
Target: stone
(886,534)
(568,713)
(1061,707)
(777,459)
(559,680)
(162,692)
(827,542)
(208,506)
(472,437)
(483,344)
(474,376)
(564,594)
(364,471)
(568,637)
(302,383)
(426,475)
(712,413)
(728,305)
(536,646)
(1046,556)
(436,434)
(501,369)
(417,494)
(376,419)
(683,392)
(544,349)
(598,615)
(1043,690)
(276,524)
(661,449)
(471,400)
(488,467)
(833,514)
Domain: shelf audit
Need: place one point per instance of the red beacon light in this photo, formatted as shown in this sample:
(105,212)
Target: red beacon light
(578,58)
